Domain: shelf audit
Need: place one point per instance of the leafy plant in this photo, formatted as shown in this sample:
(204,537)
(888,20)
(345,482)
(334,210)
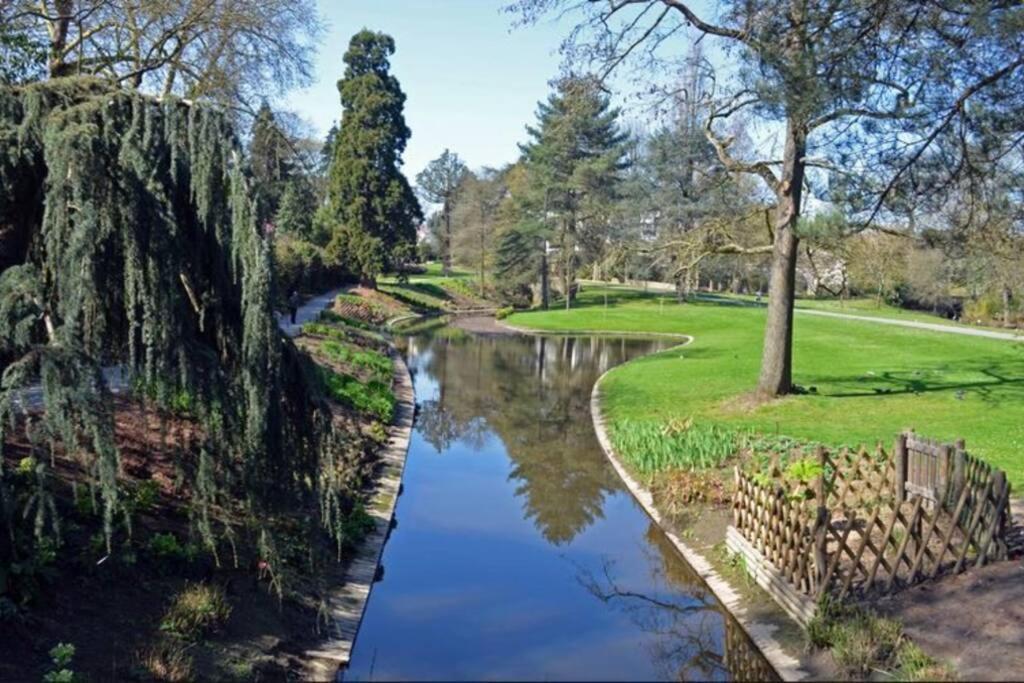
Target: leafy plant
(358,524)
(166,546)
(61,657)
(805,470)
(652,447)
(146,495)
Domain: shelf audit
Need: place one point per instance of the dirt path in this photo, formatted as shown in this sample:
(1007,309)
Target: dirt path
(974,620)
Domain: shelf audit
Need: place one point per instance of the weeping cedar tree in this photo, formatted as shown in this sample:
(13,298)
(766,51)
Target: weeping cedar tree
(574,158)
(370,200)
(877,104)
(128,235)
(439,183)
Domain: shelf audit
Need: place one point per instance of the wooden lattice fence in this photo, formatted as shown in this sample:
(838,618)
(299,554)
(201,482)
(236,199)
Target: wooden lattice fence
(870,522)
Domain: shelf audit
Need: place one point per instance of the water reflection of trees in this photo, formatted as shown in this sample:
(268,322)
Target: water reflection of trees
(534,394)
(694,639)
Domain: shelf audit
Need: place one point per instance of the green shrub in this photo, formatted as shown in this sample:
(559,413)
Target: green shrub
(358,524)
(653,447)
(166,547)
(144,496)
(504,312)
(301,266)
(197,610)
(330,316)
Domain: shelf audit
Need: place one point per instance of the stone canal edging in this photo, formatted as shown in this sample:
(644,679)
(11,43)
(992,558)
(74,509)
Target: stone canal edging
(347,603)
(787,666)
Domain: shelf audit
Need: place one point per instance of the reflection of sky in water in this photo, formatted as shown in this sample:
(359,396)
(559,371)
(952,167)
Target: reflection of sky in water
(517,553)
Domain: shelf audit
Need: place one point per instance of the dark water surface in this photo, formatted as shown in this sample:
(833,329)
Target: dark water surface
(518,552)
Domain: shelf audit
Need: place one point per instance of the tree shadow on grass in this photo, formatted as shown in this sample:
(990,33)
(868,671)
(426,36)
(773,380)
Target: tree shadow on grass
(992,382)
(428,288)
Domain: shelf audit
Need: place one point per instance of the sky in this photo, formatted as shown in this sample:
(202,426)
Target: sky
(472,79)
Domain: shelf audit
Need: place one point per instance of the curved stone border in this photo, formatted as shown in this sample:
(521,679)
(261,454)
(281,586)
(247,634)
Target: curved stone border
(787,666)
(346,604)
(598,333)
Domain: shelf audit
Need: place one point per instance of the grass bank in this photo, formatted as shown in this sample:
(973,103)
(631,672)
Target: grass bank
(865,381)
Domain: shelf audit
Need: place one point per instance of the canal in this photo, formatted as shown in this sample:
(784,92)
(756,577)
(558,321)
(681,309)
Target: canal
(518,553)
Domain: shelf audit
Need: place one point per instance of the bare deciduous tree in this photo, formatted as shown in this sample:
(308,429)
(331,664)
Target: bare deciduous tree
(230,51)
(866,98)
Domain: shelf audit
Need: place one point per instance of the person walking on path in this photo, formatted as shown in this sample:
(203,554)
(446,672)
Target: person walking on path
(293,305)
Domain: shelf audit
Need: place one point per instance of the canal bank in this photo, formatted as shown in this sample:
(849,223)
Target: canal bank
(784,658)
(518,552)
(779,639)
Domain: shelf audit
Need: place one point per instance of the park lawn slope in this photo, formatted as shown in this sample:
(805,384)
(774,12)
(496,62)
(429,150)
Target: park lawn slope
(870,381)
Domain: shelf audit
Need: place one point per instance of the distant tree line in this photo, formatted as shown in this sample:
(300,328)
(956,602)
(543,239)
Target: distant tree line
(874,149)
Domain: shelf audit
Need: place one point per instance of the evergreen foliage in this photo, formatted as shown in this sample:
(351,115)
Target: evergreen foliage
(296,209)
(575,161)
(269,154)
(370,200)
(142,248)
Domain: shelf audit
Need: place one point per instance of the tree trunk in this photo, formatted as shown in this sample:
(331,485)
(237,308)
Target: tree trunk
(1007,295)
(446,247)
(544,279)
(777,358)
(59,27)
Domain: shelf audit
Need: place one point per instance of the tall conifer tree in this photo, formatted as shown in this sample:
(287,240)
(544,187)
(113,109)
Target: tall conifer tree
(575,157)
(370,198)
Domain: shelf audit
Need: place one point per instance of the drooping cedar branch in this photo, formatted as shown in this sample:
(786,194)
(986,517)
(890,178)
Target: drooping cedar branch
(144,251)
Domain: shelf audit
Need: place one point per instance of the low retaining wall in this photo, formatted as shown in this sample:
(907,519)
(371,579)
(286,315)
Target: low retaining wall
(346,604)
(798,606)
(787,666)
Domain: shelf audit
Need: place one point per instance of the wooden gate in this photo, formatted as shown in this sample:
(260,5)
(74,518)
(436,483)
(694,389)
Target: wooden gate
(925,468)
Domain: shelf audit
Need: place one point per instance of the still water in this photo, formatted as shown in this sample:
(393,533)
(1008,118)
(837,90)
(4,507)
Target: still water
(518,552)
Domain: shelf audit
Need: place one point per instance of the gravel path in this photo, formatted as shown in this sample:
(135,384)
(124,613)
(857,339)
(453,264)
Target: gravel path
(932,327)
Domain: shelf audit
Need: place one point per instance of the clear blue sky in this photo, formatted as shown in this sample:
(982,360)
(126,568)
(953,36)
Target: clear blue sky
(472,80)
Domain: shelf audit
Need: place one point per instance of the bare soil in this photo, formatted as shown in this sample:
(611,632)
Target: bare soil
(974,620)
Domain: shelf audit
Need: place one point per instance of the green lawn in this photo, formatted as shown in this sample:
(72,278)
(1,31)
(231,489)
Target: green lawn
(433,290)
(863,306)
(871,380)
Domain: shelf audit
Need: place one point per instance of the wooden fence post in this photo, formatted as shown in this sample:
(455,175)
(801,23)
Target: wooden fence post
(959,469)
(899,454)
(944,474)
(820,527)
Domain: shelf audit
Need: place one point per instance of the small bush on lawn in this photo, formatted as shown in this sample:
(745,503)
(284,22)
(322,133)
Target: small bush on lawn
(198,609)
(505,312)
